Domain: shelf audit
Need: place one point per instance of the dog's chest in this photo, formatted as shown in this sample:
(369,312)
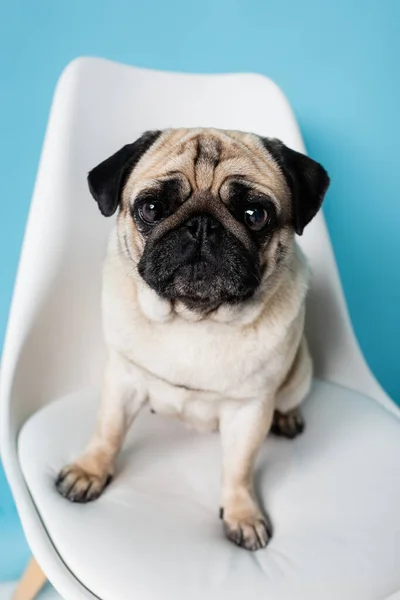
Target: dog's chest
(201,356)
(208,356)
(190,372)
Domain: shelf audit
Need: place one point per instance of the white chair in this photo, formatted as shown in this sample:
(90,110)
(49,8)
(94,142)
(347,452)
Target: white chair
(333,494)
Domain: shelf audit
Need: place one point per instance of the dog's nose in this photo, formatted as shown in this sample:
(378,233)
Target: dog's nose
(202,227)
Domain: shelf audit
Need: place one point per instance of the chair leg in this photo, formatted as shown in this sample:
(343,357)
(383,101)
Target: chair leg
(31,582)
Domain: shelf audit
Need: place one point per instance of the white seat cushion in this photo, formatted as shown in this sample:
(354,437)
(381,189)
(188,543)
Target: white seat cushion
(333,495)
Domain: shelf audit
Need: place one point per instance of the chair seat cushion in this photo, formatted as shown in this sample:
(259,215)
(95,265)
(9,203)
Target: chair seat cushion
(333,495)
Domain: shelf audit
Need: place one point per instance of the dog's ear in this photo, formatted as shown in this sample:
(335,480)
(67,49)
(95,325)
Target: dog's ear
(307,179)
(107,179)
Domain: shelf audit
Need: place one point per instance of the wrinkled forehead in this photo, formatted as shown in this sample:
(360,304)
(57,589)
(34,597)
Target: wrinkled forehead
(206,159)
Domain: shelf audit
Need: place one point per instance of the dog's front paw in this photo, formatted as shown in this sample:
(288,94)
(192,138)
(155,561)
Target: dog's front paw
(248,529)
(252,533)
(289,425)
(78,484)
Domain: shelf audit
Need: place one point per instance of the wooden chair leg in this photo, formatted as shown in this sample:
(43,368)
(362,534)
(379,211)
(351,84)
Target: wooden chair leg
(31,582)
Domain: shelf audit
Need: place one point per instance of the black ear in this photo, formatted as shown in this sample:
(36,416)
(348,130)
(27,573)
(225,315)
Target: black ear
(307,179)
(107,179)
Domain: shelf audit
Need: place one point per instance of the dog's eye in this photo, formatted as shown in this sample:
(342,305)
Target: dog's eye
(256,217)
(151,211)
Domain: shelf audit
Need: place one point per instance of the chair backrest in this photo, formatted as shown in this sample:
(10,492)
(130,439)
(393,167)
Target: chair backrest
(54,341)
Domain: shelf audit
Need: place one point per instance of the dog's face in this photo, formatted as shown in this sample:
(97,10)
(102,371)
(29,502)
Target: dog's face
(206,215)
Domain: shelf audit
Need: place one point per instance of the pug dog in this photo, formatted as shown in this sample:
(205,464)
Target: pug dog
(204,291)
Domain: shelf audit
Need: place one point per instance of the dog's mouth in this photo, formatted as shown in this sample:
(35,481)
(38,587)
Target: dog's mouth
(197,276)
(203,285)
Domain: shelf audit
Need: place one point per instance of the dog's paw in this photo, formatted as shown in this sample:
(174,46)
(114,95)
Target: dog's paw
(289,424)
(252,533)
(246,526)
(77,484)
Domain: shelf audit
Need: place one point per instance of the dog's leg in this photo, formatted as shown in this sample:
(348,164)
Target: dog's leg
(243,430)
(85,479)
(288,420)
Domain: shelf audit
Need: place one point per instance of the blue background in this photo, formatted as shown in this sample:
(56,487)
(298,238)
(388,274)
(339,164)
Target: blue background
(338,63)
